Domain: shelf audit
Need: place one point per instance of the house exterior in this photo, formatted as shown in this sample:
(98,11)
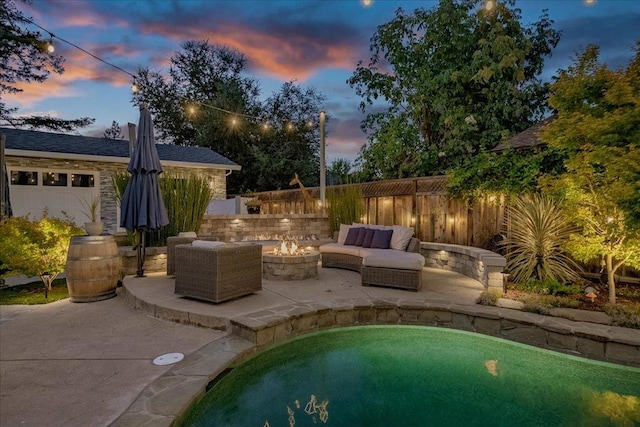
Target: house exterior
(57,171)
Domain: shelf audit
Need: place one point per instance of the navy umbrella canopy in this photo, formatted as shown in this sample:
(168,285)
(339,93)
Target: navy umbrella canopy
(142,207)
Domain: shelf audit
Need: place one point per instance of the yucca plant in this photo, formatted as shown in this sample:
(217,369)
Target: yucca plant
(538,231)
(346,206)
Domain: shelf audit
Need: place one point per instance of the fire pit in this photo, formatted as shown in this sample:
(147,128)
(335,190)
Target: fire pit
(288,261)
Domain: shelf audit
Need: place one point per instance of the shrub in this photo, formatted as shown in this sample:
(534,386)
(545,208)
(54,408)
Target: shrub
(538,231)
(489,298)
(36,248)
(533,307)
(550,301)
(185,197)
(345,206)
(624,315)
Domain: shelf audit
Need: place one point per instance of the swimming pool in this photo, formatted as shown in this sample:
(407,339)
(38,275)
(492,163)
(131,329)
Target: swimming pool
(411,375)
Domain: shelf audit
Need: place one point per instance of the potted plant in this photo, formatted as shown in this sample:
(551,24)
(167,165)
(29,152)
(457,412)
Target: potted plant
(91,209)
(253,205)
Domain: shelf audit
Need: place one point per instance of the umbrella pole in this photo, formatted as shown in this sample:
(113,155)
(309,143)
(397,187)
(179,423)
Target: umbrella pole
(141,254)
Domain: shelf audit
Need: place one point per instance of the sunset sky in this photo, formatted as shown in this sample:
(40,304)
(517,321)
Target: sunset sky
(316,42)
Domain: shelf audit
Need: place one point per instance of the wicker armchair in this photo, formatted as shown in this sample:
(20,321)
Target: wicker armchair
(218,274)
(171,249)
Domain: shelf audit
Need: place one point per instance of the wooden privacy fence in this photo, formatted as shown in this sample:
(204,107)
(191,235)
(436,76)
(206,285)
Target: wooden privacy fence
(421,203)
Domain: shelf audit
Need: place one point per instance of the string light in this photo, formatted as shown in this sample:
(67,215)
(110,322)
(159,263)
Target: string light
(489,5)
(50,47)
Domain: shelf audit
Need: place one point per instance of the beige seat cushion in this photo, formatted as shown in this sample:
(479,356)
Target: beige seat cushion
(394,259)
(337,248)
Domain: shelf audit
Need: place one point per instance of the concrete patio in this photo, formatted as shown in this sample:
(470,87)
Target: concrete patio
(67,364)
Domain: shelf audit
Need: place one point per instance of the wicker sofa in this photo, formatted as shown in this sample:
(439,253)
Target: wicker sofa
(378,267)
(219,273)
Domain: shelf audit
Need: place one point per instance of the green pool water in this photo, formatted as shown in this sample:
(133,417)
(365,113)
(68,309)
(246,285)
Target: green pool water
(418,376)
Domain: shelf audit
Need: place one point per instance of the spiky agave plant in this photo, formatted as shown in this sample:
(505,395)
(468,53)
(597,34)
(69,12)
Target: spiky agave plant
(538,231)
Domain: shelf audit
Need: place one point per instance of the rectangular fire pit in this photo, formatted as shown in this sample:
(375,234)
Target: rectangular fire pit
(290,267)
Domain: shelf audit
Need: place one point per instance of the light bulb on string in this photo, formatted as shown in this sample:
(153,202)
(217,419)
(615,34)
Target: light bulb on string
(50,47)
(134,87)
(489,5)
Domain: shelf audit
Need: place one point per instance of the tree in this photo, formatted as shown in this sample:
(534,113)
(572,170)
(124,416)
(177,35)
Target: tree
(599,124)
(24,59)
(339,172)
(114,132)
(511,172)
(456,79)
(290,143)
(209,100)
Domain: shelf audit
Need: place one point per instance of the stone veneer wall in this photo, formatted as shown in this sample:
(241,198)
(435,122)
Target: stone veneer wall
(237,227)
(108,205)
(485,266)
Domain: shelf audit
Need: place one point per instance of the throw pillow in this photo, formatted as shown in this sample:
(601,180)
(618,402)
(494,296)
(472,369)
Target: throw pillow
(352,236)
(206,243)
(187,234)
(381,239)
(401,237)
(368,237)
(361,234)
(342,235)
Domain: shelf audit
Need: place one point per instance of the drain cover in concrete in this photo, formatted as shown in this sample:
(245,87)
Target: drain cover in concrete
(168,359)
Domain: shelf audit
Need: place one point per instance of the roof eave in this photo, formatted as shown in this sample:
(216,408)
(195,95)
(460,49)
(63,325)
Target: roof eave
(111,159)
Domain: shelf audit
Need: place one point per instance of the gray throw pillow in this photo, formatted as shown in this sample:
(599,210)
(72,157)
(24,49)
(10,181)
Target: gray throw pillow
(352,235)
(381,239)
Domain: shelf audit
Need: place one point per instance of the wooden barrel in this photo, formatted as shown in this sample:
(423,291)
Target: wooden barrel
(93,268)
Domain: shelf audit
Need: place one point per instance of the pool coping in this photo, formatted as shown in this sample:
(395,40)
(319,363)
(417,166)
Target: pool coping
(167,398)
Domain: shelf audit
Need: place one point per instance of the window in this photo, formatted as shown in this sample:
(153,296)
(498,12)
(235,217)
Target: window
(54,179)
(82,180)
(24,178)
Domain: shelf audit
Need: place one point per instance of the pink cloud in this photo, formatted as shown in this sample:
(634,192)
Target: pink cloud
(296,57)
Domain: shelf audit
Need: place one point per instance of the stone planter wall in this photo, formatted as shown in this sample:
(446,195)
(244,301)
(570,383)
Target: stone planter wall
(238,227)
(485,266)
(155,260)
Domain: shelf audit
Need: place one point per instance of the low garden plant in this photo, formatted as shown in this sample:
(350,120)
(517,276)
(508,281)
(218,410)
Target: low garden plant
(31,293)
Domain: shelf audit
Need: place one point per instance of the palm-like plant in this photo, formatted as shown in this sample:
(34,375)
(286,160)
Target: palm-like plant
(538,231)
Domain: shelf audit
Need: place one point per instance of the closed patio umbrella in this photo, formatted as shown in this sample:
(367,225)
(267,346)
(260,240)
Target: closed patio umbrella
(5,200)
(142,208)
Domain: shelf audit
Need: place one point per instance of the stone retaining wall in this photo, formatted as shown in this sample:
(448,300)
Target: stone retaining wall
(485,266)
(237,227)
(155,260)
(593,341)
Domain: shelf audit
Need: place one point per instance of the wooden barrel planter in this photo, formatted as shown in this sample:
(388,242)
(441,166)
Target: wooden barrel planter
(93,268)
